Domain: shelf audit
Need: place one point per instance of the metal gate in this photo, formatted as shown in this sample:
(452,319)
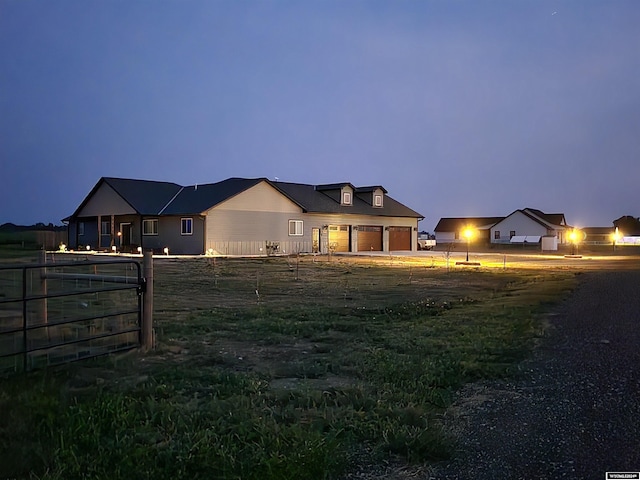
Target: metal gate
(52,313)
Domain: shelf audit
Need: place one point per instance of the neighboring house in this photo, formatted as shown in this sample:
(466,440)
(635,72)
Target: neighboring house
(522,226)
(241,216)
(530,226)
(450,230)
(598,235)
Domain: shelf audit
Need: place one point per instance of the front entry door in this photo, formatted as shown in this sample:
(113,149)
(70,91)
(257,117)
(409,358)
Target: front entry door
(125,236)
(315,240)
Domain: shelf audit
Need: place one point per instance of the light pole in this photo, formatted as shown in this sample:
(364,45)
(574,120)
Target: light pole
(468,233)
(574,237)
(615,236)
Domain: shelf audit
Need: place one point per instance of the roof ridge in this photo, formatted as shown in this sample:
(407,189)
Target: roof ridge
(172,199)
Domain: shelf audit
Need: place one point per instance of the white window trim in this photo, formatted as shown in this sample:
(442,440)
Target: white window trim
(153,221)
(346,198)
(190,223)
(377,200)
(298,232)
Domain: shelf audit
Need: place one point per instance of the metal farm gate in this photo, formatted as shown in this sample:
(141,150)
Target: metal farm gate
(52,313)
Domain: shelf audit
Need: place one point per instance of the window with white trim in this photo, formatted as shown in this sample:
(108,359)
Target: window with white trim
(150,226)
(346,198)
(105,227)
(295,228)
(186,226)
(377,200)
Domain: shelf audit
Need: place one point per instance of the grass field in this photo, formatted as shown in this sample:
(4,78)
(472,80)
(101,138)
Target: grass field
(279,368)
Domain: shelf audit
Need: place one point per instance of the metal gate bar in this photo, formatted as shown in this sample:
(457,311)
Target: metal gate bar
(33,303)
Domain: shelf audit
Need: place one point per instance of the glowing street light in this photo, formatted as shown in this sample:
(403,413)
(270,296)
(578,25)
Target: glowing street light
(575,236)
(468,233)
(615,236)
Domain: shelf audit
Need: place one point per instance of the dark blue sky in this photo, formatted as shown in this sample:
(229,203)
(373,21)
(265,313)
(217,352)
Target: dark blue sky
(457,108)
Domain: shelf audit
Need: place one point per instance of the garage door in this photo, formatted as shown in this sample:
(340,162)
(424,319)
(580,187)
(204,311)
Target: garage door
(369,238)
(339,238)
(399,238)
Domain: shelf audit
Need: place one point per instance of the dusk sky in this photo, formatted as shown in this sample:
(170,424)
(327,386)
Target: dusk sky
(457,108)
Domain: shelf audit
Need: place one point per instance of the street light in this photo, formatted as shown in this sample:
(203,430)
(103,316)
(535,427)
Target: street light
(468,233)
(575,236)
(615,236)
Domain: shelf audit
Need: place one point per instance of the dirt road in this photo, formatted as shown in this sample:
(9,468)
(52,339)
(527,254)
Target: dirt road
(574,409)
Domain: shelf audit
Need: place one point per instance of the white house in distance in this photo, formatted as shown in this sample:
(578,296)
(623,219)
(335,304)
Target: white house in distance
(531,226)
(526,226)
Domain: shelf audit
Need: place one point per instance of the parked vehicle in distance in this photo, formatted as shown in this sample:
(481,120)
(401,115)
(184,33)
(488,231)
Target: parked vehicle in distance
(426,241)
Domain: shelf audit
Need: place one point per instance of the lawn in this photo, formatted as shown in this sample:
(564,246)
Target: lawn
(280,368)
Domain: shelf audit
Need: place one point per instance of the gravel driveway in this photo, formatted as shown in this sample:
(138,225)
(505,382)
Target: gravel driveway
(574,409)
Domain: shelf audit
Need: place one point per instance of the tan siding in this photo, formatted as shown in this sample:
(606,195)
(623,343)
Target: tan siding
(248,222)
(105,201)
(260,198)
(244,224)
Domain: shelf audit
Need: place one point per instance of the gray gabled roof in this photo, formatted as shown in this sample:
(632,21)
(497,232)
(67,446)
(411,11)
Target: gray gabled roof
(145,196)
(151,198)
(457,224)
(200,198)
(323,200)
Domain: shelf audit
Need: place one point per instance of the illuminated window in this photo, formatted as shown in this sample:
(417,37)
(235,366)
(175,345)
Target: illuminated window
(295,227)
(496,235)
(150,227)
(377,200)
(346,198)
(186,226)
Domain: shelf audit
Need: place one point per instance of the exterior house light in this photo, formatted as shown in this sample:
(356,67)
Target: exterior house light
(88,247)
(140,250)
(166,250)
(114,249)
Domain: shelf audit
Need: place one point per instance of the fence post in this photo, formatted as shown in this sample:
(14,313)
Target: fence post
(147,306)
(42,311)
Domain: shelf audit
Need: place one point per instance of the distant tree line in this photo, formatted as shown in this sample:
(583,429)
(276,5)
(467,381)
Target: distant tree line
(38,227)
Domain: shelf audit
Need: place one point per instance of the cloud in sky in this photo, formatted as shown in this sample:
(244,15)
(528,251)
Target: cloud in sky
(457,108)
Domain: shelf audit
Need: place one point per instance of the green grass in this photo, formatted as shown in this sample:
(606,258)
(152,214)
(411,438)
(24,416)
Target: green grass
(294,383)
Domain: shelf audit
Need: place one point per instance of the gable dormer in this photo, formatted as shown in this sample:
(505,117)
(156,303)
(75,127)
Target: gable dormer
(340,192)
(374,196)
(346,195)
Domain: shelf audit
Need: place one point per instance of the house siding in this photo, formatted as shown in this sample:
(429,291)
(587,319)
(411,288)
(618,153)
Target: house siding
(249,223)
(518,222)
(105,201)
(169,236)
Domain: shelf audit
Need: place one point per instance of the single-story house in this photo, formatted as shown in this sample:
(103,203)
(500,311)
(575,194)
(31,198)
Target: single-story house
(598,235)
(240,216)
(530,226)
(450,230)
(524,226)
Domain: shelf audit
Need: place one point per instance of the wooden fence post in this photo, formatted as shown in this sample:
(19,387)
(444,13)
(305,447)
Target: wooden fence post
(147,306)
(42,310)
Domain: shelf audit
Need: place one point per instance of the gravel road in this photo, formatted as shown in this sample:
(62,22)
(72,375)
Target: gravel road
(573,411)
